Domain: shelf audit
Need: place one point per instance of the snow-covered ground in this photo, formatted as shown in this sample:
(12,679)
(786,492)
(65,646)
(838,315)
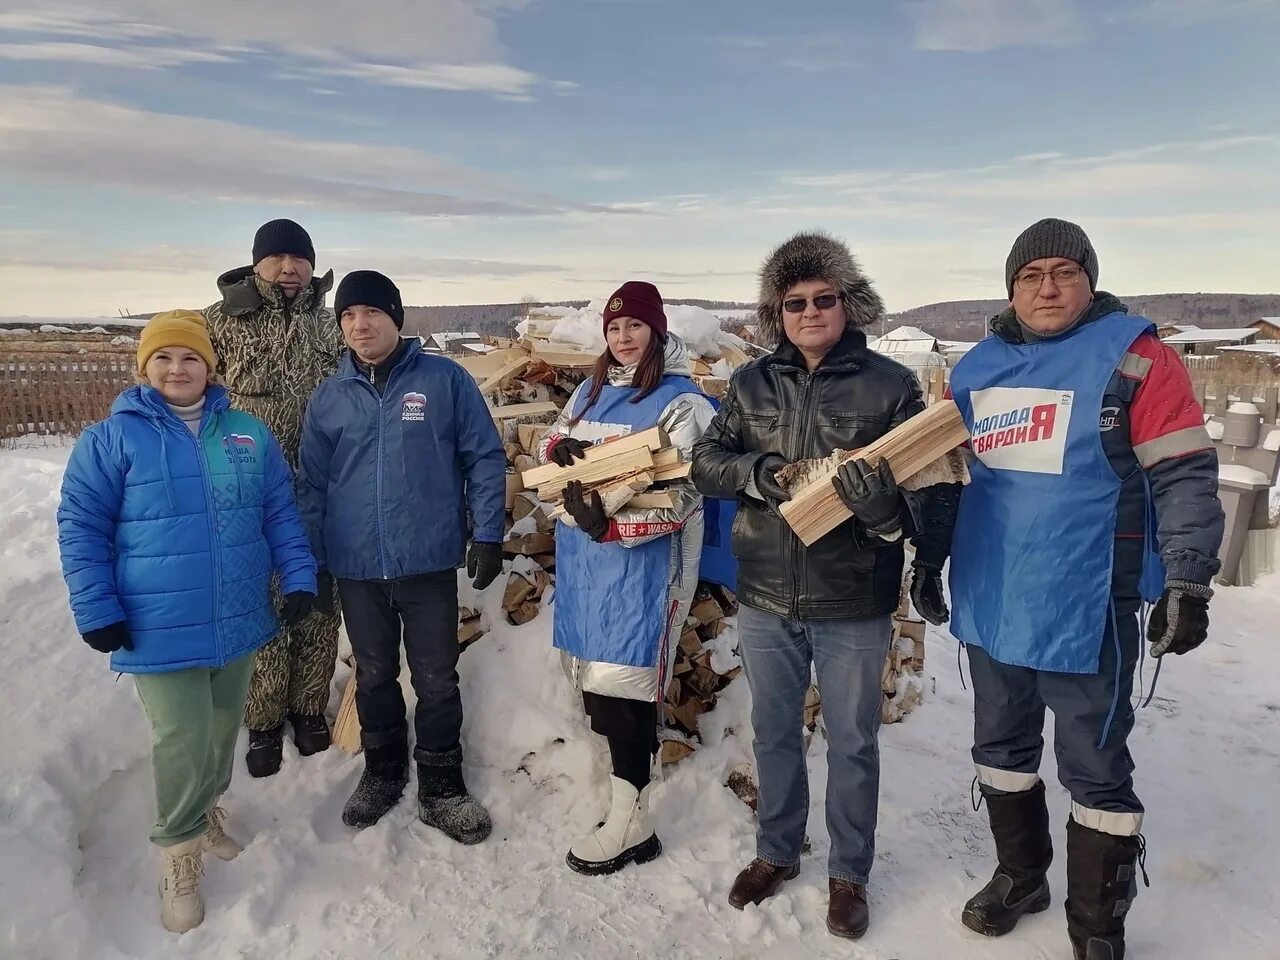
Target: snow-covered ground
(78,878)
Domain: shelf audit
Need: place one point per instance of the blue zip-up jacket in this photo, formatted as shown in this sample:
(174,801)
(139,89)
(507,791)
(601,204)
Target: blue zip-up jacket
(386,482)
(178,535)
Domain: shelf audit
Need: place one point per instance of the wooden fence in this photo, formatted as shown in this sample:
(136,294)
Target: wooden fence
(49,393)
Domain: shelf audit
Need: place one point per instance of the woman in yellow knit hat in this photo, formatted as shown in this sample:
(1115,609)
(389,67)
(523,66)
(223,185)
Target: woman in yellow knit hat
(176,511)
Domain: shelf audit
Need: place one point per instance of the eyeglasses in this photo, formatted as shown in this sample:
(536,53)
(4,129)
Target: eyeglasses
(823,302)
(1062,277)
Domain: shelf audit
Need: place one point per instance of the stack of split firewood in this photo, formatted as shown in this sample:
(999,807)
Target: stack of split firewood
(527,383)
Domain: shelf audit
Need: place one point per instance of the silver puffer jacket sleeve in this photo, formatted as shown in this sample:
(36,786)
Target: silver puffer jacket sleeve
(560,428)
(685,419)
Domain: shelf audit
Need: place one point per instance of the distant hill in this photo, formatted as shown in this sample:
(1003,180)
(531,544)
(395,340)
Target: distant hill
(967,319)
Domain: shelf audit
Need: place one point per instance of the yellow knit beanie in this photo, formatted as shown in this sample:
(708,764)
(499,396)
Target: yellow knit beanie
(176,328)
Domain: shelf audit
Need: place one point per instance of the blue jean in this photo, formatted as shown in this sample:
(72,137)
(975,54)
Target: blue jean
(849,656)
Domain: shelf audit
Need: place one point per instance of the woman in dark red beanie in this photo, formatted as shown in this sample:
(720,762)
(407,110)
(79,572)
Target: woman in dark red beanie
(625,576)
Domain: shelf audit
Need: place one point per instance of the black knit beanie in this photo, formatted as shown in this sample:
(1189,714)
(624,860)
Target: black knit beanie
(371,289)
(1051,238)
(281,237)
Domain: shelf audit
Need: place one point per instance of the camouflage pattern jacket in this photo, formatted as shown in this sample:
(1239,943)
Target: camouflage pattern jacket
(273,352)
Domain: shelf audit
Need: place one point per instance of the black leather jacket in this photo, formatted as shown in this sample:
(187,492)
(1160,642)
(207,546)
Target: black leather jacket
(775,405)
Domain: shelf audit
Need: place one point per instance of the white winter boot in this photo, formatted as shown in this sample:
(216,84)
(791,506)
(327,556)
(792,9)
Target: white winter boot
(216,840)
(625,837)
(181,906)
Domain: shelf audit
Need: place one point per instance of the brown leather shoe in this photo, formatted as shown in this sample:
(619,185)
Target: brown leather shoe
(847,913)
(759,881)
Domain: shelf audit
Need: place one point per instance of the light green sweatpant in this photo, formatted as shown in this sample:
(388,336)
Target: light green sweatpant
(195,716)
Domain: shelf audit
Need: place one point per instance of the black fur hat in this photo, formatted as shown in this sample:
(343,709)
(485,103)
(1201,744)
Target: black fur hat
(813,256)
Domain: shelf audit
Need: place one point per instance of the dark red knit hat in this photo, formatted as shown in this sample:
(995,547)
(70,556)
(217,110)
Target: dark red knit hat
(638,299)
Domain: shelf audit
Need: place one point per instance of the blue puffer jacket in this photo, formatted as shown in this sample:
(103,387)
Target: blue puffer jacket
(385,482)
(179,535)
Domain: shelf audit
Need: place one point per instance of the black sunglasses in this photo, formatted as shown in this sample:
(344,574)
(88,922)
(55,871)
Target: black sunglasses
(824,302)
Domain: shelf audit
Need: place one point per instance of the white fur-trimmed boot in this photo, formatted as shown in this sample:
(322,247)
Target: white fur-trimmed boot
(624,837)
(181,906)
(216,840)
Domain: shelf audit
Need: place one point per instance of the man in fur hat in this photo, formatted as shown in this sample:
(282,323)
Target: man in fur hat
(828,604)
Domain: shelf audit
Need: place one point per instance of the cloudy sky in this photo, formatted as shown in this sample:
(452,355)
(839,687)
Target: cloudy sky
(483,150)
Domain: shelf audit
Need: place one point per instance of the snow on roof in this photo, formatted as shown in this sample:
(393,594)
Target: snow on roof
(478,347)
(1233,335)
(1180,327)
(908,333)
(1267,346)
(957,346)
(442,340)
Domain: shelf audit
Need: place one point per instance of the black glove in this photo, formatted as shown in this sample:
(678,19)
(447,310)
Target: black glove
(871,495)
(296,607)
(484,563)
(110,638)
(926,594)
(565,451)
(324,593)
(1180,621)
(587,514)
(766,482)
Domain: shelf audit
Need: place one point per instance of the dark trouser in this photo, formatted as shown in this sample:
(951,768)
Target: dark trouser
(424,609)
(292,673)
(1008,723)
(631,727)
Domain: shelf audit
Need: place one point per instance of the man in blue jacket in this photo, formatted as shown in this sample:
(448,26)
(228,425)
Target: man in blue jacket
(401,463)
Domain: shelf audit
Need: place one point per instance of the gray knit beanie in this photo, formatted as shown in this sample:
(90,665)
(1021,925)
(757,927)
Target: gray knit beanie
(1051,238)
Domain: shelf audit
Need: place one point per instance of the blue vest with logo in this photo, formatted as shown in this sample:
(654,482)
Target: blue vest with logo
(1035,535)
(610,599)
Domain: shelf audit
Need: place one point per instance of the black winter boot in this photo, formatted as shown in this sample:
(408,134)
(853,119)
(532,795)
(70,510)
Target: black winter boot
(386,773)
(443,801)
(1101,884)
(310,733)
(1020,826)
(265,750)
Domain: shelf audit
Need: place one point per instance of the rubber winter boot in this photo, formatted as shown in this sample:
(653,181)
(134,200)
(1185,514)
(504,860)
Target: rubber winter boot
(181,906)
(1102,882)
(310,733)
(266,747)
(1020,827)
(625,836)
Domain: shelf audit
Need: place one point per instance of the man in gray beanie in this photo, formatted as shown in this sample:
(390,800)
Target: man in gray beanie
(825,606)
(276,341)
(1094,490)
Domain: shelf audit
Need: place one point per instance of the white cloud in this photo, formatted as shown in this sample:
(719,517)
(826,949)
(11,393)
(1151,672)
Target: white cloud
(976,26)
(54,135)
(140,57)
(448,30)
(495,78)
(450,45)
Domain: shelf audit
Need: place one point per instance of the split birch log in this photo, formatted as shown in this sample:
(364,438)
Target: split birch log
(816,509)
(513,410)
(501,376)
(346,728)
(551,474)
(599,473)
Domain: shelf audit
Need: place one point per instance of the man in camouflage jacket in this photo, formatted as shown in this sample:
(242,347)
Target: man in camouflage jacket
(276,341)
